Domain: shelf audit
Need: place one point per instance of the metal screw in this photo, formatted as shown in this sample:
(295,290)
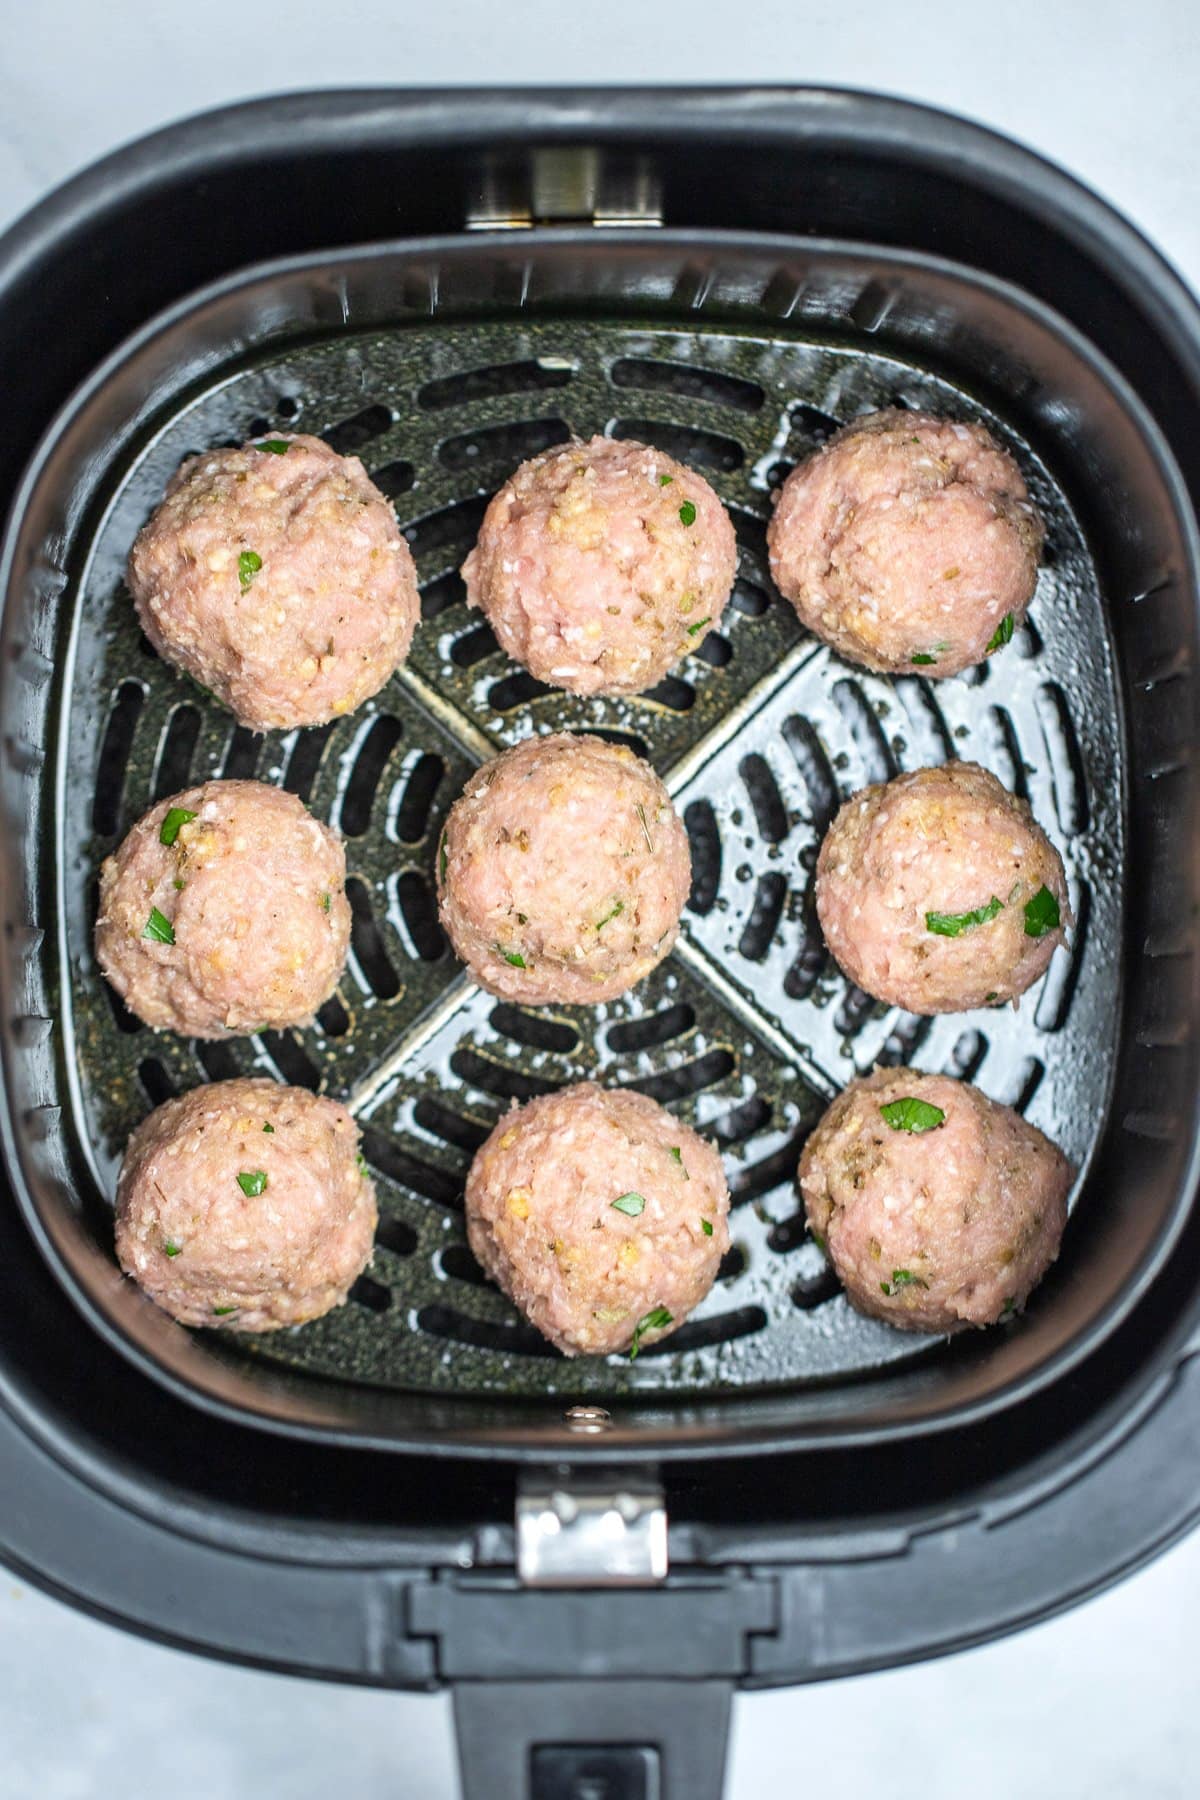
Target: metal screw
(587,1419)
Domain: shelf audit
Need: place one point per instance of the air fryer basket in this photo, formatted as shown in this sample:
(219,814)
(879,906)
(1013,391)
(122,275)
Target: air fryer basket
(727,275)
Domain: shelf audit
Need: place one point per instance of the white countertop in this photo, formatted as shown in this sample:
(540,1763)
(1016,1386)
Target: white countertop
(1097,1705)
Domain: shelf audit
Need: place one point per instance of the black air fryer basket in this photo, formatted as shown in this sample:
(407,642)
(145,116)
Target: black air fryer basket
(417,1490)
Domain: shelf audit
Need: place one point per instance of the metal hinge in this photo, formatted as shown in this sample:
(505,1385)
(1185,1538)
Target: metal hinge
(575,1529)
(565,185)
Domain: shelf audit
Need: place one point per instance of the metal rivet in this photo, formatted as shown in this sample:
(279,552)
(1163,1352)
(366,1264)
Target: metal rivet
(589,1419)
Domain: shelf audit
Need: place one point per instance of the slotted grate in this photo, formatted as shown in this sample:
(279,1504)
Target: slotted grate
(748,1028)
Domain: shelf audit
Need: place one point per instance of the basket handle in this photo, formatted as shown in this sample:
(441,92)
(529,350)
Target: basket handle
(654,1739)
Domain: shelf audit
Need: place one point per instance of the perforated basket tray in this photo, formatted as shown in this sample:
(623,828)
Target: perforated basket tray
(443,366)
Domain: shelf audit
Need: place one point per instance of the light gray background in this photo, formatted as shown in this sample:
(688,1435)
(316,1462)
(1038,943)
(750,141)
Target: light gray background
(1099,1704)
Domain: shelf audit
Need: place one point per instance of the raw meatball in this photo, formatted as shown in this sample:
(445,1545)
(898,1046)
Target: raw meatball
(600,1216)
(276,576)
(600,565)
(937,1208)
(938,892)
(908,542)
(224,910)
(562,871)
(246,1205)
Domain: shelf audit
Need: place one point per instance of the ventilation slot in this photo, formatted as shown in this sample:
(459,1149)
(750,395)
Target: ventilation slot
(451,1127)
(699,449)
(394,479)
(788,1234)
(749,599)
(740,1124)
(967,1055)
(456,524)
(418,909)
(1029,1081)
(770,814)
(1007,759)
(395,1235)
(634,1035)
(776,1170)
(929,735)
(534,1030)
(765,914)
(715,650)
(366,774)
(680,1084)
(700,1334)
(475,646)
(408,1171)
(333,1018)
(815,770)
(1062,977)
(492,382)
(156,1083)
(811,1291)
(629,739)
(176,751)
(805,972)
(675,695)
(732,1264)
(439,596)
(497,1078)
(811,424)
(371,1294)
(457,1261)
(905,1038)
(856,1008)
(877,760)
(217,1060)
(416,803)
(366,944)
(291,1059)
(688,382)
(114,756)
(1066,763)
(506,444)
(305,760)
(352,433)
(521,689)
(700,823)
(122,1017)
(241,758)
(510,1340)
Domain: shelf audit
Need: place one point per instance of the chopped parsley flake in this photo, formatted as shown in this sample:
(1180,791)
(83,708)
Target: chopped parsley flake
(221,1311)
(687,513)
(677,1153)
(699,626)
(1009,1307)
(906,1278)
(512,957)
(171,1249)
(276,446)
(706,1227)
(361,1163)
(654,1320)
(1002,634)
(665,480)
(817,1239)
(326,902)
(921,658)
(249,563)
(1041,914)
(632,1205)
(177,817)
(954,924)
(617,910)
(911,1114)
(159,929)
(252,1182)
(269,1128)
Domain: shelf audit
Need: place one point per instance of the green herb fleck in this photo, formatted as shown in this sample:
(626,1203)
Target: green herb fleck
(221,1311)
(954,924)
(178,885)
(885,1287)
(276,446)
(699,626)
(252,1182)
(687,513)
(443,857)
(512,957)
(921,657)
(1041,914)
(988,998)
(632,1205)
(326,902)
(1002,634)
(677,1153)
(706,1227)
(171,1249)
(906,1278)
(249,563)
(617,910)
(159,929)
(269,1128)
(361,1164)
(654,1320)
(1009,1307)
(522,919)
(911,1114)
(665,480)
(641,813)
(817,1239)
(169,830)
